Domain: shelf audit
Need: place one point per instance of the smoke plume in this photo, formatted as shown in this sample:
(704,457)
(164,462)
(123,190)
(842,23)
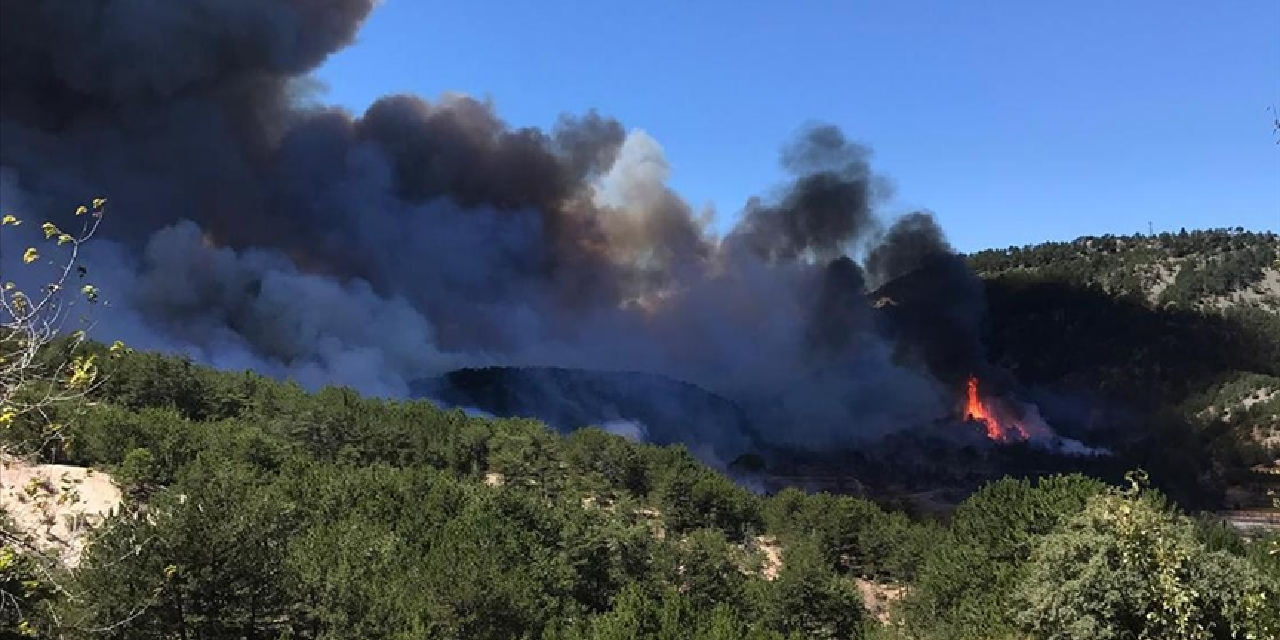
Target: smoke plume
(251,230)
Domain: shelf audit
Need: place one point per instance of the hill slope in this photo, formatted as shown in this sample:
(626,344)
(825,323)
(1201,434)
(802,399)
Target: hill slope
(1217,268)
(247,501)
(1181,327)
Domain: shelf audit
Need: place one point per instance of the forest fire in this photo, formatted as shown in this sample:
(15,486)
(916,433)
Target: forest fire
(1000,425)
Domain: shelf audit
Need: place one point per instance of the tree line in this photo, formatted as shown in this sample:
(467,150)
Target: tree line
(255,509)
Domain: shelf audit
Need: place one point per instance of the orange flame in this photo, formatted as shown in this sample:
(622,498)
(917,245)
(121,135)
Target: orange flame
(999,427)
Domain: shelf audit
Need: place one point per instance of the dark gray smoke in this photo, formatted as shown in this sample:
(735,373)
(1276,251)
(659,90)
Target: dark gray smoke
(938,305)
(826,208)
(250,230)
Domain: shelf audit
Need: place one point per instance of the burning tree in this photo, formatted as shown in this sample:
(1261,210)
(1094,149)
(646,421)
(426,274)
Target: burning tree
(1001,421)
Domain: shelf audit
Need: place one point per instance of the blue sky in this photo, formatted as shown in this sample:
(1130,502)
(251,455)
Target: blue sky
(1015,122)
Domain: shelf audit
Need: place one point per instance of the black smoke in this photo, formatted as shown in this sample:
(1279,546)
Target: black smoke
(938,303)
(251,228)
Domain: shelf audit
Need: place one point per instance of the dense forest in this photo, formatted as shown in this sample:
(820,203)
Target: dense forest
(255,509)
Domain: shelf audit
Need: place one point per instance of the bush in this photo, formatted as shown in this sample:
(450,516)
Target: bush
(1125,569)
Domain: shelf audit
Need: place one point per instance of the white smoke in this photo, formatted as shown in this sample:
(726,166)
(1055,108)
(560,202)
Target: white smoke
(632,430)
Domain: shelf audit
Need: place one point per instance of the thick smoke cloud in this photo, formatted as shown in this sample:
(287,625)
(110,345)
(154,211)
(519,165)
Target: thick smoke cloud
(418,237)
(828,206)
(937,302)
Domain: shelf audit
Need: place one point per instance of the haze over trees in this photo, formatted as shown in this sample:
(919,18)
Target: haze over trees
(254,509)
(418,237)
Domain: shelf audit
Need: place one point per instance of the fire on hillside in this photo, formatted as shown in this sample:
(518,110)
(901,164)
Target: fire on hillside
(1000,419)
(1005,420)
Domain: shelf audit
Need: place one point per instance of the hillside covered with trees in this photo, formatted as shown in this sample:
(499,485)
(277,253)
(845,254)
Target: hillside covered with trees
(1181,330)
(252,508)
(256,510)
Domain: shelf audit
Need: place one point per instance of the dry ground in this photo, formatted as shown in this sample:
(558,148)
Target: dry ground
(55,505)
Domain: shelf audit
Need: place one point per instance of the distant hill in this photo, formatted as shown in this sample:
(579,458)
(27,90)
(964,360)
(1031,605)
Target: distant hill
(1184,328)
(644,406)
(1215,268)
(1165,349)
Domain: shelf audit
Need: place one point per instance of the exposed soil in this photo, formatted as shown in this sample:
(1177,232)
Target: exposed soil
(54,506)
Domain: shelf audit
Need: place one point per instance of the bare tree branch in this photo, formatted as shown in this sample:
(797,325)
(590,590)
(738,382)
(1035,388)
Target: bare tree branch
(41,380)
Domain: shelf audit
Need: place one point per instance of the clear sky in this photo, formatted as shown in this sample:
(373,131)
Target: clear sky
(1014,121)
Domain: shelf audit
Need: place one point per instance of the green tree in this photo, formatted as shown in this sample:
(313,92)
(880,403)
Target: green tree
(856,535)
(965,578)
(1125,569)
(692,496)
(1006,517)
(667,615)
(808,599)
(709,572)
(205,558)
(606,462)
(27,596)
(528,456)
(961,593)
